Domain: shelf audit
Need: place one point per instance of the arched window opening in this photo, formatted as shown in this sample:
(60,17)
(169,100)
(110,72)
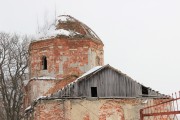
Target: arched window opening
(44,63)
(97,61)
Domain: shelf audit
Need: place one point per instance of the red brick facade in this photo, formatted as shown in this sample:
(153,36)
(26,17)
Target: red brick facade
(83,109)
(65,56)
(30,90)
(66,59)
(61,60)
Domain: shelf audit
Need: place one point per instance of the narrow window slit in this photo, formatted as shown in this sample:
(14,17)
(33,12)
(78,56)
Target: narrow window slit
(44,63)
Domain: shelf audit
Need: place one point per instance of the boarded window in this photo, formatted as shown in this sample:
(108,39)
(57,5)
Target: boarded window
(93,91)
(144,90)
(44,63)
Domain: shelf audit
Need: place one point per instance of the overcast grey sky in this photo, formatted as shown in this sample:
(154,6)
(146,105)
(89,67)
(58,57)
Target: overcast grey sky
(141,37)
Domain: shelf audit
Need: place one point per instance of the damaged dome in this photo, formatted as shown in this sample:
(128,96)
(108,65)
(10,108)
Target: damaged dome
(67,26)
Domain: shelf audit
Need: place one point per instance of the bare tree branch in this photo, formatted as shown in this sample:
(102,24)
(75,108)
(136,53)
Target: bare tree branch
(13,63)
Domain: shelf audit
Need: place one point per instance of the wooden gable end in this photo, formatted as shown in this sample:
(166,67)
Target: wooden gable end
(106,83)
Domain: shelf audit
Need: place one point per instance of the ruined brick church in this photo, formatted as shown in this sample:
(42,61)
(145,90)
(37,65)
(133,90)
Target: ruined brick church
(69,81)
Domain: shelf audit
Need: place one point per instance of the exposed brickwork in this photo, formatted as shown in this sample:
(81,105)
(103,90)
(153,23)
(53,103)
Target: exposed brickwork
(86,117)
(111,109)
(42,86)
(65,56)
(163,107)
(49,111)
(76,109)
(61,84)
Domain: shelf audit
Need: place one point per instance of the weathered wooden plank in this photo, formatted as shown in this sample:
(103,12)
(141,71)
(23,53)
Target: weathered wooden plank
(109,83)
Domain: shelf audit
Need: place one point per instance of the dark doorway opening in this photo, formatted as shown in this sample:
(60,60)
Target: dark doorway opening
(144,90)
(93,91)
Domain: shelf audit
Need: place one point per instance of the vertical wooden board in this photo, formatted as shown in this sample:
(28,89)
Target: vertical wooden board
(109,83)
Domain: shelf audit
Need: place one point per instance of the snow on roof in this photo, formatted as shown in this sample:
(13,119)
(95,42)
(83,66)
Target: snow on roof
(85,74)
(25,82)
(52,32)
(65,25)
(35,100)
(89,72)
(44,78)
(28,108)
(64,18)
(40,97)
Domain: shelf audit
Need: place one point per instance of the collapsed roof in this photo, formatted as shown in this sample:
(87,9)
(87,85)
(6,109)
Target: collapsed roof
(66,26)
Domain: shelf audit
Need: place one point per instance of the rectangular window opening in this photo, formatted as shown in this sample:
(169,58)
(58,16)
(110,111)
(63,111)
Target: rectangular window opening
(93,91)
(144,90)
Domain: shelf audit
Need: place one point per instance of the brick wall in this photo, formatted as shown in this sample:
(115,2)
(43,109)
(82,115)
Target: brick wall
(65,56)
(36,88)
(92,109)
